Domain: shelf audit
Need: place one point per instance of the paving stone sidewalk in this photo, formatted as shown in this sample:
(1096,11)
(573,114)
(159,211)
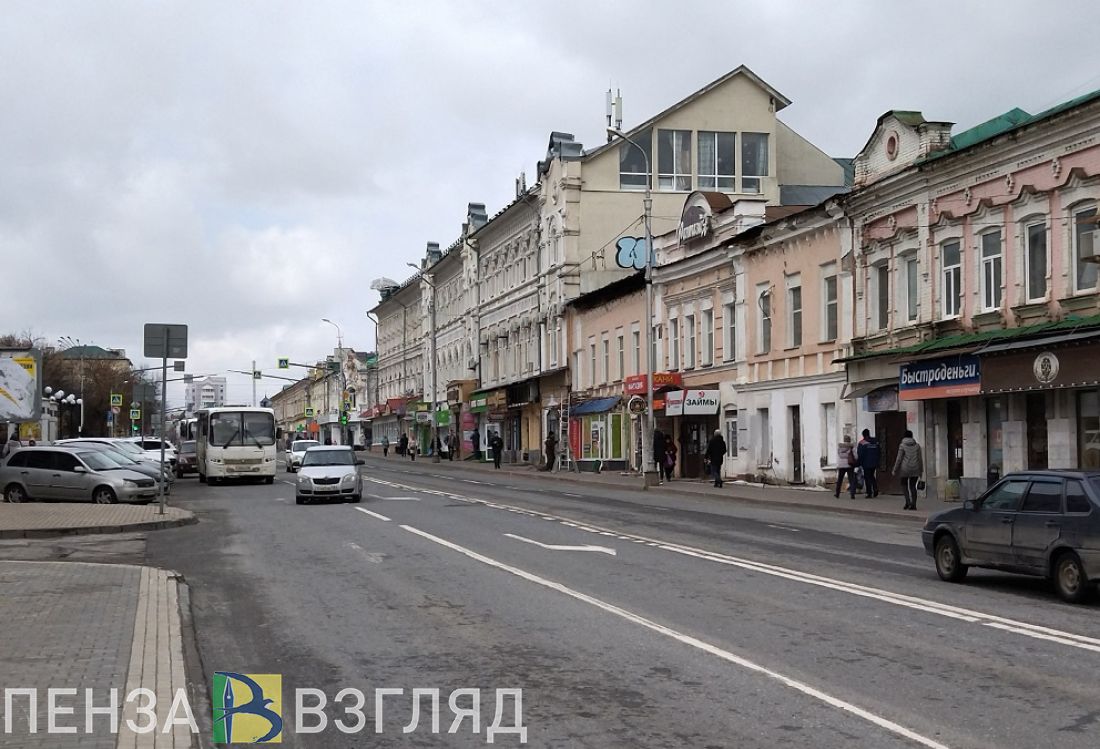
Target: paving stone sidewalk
(80,625)
(886,506)
(42,519)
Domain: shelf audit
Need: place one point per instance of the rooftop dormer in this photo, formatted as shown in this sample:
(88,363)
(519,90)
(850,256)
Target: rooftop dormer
(899,140)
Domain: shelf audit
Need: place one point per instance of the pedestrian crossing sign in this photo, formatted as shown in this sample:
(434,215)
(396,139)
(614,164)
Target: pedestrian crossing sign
(116,399)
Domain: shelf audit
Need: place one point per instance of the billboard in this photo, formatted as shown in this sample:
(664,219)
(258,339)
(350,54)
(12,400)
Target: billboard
(946,377)
(20,385)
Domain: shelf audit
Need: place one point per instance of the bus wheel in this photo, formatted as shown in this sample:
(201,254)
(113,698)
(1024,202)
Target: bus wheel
(269,479)
(202,478)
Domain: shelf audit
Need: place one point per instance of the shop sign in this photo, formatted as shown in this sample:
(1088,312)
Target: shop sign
(674,403)
(423,417)
(694,222)
(950,377)
(1046,367)
(443,418)
(636,405)
(701,402)
(636,384)
(1022,371)
(883,399)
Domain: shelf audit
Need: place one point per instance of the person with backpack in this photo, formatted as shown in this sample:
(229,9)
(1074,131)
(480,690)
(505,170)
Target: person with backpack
(869,455)
(908,467)
(716,456)
(496,445)
(846,463)
(669,463)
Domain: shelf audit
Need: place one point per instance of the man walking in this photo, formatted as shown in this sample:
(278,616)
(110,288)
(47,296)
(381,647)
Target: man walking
(551,449)
(385,446)
(868,455)
(846,466)
(659,452)
(475,442)
(908,467)
(496,444)
(716,455)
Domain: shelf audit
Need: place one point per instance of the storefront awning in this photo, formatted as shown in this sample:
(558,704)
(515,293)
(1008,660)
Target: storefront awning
(853,390)
(595,406)
(1039,342)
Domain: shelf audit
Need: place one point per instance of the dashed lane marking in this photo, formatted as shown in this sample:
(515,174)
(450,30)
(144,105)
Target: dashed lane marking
(377,515)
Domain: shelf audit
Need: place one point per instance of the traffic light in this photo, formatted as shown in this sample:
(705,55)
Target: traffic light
(343,417)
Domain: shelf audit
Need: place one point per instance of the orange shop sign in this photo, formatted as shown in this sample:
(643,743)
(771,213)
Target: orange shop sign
(636,384)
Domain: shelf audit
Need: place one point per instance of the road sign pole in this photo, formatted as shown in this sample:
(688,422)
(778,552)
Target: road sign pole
(163,411)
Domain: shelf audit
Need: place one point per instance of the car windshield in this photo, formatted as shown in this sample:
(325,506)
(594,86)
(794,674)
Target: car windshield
(120,457)
(328,458)
(188,448)
(98,461)
(238,428)
(129,447)
(303,445)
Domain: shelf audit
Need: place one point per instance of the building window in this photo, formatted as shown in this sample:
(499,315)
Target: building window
(912,288)
(606,360)
(1088,429)
(622,359)
(729,315)
(831,317)
(828,431)
(674,344)
(689,341)
(1036,260)
(1084,238)
(996,411)
(636,340)
(632,162)
(674,160)
(708,337)
(717,161)
(731,433)
(794,316)
(754,161)
(992,270)
(882,296)
(654,336)
(764,329)
(592,364)
(951,256)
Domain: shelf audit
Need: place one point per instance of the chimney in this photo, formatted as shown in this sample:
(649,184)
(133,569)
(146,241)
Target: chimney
(476,216)
(433,254)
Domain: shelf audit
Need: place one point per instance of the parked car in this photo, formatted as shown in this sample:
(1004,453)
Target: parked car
(297,450)
(1044,523)
(187,460)
(330,472)
(123,458)
(71,474)
(151,447)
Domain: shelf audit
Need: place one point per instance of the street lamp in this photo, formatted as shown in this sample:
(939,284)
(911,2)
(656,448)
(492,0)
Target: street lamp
(647,427)
(340,365)
(431,316)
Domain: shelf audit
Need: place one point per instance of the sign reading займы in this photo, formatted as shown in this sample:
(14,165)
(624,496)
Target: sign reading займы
(948,377)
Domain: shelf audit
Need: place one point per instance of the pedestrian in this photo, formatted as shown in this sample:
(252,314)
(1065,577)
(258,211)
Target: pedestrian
(551,450)
(716,456)
(669,463)
(385,446)
(475,442)
(869,455)
(846,462)
(496,444)
(13,444)
(659,453)
(908,467)
(402,445)
(456,447)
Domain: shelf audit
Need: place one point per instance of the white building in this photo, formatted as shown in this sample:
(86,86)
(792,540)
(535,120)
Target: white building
(209,392)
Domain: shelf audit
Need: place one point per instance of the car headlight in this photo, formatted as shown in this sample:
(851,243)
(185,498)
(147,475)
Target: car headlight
(129,482)
(303,479)
(348,478)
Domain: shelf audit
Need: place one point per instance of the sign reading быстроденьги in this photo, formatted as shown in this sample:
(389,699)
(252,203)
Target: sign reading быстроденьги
(19,387)
(948,377)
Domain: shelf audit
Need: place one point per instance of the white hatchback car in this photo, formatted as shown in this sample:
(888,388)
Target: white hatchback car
(329,472)
(297,450)
(151,447)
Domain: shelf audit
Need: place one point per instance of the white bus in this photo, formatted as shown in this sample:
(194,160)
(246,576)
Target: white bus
(235,442)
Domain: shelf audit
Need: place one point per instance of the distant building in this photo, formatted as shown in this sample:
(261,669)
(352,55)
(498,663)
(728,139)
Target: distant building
(208,392)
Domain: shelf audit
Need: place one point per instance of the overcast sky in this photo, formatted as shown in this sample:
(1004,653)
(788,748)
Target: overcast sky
(247,168)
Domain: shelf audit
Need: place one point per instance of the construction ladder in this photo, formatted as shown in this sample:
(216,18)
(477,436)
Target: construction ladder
(565,459)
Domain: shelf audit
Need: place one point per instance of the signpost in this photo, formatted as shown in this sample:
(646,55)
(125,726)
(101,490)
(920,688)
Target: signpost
(116,400)
(284,363)
(164,341)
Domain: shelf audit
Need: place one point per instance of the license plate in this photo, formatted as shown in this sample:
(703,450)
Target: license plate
(326,488)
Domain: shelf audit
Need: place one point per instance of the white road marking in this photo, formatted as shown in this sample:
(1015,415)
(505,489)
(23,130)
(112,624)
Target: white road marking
(559,547)
(571,494)
(281,499)
(694,642)
(288,483)
(784,528)
(949,611)
(471,481)
(400,499)
(373,514)
(373,557)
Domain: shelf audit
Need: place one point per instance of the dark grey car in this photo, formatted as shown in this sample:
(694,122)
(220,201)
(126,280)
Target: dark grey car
(1044,523)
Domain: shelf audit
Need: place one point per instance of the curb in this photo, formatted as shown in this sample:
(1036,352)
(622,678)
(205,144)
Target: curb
(531,472)
(87,530)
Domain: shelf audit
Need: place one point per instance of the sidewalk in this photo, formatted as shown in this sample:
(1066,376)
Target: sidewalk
(40,520)
(75,625)
(889,506)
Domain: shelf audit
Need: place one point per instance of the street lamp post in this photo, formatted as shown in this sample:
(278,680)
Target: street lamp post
(340,365)
(431,316)
(648,458)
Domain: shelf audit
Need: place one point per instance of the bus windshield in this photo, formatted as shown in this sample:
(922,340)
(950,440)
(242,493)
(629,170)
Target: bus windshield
(236,429)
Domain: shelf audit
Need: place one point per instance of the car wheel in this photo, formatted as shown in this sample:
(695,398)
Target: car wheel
(299,500)
(179,474)
(104,495)
(15,494)
(202,478)
(948,560)
(357,498)
(1069,578)
(269,479)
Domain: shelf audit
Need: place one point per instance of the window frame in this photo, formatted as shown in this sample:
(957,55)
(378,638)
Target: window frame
(882,295)
(715,180)
(991,264)
(830,315)
(644,139)
(1061,484)
(911,279)
(729,330)
(1075,246)
(706,358)
(621,372)
(794,315)
(1029,224)
(678,180)
(673,344)
(690,344)
(954,272)
(754,183)
(764,321)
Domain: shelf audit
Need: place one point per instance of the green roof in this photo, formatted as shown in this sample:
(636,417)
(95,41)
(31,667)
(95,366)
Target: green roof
(967,340)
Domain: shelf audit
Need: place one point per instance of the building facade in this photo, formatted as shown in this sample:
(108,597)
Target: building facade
(208,392)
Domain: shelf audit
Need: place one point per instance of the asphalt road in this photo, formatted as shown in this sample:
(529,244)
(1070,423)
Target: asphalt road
(627,619)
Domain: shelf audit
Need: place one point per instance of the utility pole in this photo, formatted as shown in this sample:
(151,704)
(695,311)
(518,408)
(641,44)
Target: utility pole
(253,383)
(431,354)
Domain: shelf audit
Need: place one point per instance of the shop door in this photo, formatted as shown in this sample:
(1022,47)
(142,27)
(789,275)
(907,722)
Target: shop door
(691,455)
(954,440)
(1036,432)
(796,445)
(890,427)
